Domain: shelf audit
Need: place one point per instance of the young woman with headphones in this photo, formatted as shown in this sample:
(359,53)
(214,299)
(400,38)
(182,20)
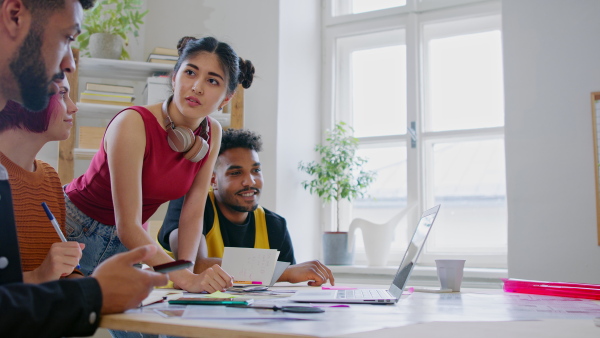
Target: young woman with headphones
(154,154)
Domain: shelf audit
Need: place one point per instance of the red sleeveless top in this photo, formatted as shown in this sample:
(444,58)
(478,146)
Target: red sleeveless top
(166,175)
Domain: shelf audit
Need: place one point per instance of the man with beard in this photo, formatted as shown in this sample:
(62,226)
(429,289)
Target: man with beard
(35,52)
(232,216)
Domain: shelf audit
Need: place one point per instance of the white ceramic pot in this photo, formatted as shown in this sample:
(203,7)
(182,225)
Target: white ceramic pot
(105,46)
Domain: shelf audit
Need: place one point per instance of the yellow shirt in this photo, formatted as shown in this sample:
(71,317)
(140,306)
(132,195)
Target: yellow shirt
(214,238)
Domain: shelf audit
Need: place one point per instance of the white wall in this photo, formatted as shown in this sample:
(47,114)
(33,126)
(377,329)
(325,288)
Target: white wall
(552,64)
(282,39)
(298,120)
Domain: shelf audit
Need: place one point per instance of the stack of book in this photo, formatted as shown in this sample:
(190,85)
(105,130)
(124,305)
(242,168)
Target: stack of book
(107,94)
(158,89)
(163,55)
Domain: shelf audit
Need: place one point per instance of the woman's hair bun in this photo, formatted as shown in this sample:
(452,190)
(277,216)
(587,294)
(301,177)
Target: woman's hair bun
(183,42)
(246,73)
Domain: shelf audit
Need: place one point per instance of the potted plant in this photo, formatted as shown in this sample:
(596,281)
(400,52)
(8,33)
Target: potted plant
(337,176)
(105,28)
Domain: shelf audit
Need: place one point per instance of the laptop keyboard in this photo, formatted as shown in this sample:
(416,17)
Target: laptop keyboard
(363,294)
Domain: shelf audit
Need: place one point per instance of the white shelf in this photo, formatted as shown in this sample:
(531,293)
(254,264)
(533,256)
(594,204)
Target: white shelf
(108,111)
(94,110)
(84,154)
(119,69)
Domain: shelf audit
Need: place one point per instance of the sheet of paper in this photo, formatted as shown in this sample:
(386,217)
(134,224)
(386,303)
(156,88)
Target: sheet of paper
(223,312)
(248,264)
(158,295)
(552,307)
(279,269)
(216,294)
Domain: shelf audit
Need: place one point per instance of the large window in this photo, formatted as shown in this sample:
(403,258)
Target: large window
(345,7)
(423,91)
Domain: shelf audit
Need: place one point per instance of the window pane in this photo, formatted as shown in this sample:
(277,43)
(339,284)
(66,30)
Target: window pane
(343,7)
(379,91)
(468,179)
(387,194)
(386,197)
(464,86)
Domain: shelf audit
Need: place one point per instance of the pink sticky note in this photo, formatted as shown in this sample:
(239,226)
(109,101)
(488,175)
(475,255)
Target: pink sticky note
(337,288)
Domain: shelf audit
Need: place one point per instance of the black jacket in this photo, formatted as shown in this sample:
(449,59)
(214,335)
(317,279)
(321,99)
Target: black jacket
(67,307)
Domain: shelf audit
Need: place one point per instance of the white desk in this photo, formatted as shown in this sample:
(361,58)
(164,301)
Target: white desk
(471,313)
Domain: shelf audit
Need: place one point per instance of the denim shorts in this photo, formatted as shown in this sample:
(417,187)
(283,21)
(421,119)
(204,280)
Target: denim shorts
(101,240)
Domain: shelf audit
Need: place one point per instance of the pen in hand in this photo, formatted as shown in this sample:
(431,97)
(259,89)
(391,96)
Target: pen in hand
(55,224)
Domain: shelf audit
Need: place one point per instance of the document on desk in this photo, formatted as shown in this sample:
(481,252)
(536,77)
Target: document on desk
(159,295)
(515,306)
(249,264)
(223,312)
(552,306)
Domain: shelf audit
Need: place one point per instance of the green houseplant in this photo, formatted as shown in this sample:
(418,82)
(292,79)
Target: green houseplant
(110,18)
(338,175)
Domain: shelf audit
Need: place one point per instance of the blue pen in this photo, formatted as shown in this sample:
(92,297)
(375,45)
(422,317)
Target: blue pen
(55,224)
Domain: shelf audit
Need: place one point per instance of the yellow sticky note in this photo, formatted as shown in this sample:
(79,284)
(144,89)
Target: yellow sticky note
(219,294)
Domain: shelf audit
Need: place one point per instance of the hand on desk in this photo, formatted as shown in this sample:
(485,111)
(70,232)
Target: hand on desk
(210,280)
(61,260)
(124,286)
(314,271)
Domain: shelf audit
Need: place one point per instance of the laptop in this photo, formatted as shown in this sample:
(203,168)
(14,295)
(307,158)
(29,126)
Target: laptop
(378,296)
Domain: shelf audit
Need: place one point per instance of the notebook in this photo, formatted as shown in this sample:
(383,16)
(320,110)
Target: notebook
(378,296)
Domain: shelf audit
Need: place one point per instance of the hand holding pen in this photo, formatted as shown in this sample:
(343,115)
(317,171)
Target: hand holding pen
(63,257)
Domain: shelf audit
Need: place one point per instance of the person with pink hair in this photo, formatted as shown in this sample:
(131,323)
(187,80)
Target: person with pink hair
(22,135)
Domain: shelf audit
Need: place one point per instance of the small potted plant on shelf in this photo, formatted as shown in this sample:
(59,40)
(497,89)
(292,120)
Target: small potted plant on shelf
(105,28)
(337,176)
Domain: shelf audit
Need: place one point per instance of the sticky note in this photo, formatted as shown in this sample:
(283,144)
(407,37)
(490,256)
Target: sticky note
(219,294)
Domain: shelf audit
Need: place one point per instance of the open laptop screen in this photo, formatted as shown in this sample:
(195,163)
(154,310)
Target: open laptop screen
(412,252)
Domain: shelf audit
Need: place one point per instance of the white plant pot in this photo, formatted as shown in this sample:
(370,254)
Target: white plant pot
(105,46)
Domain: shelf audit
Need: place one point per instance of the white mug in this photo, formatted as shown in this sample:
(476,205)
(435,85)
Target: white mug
(450,273)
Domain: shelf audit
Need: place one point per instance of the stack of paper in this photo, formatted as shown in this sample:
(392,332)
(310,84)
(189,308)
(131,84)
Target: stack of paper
(253,266)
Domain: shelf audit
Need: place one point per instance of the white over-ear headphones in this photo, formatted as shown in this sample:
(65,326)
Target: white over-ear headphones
(183,140)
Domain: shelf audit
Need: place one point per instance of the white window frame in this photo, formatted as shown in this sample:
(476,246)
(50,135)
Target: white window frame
(412,19)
